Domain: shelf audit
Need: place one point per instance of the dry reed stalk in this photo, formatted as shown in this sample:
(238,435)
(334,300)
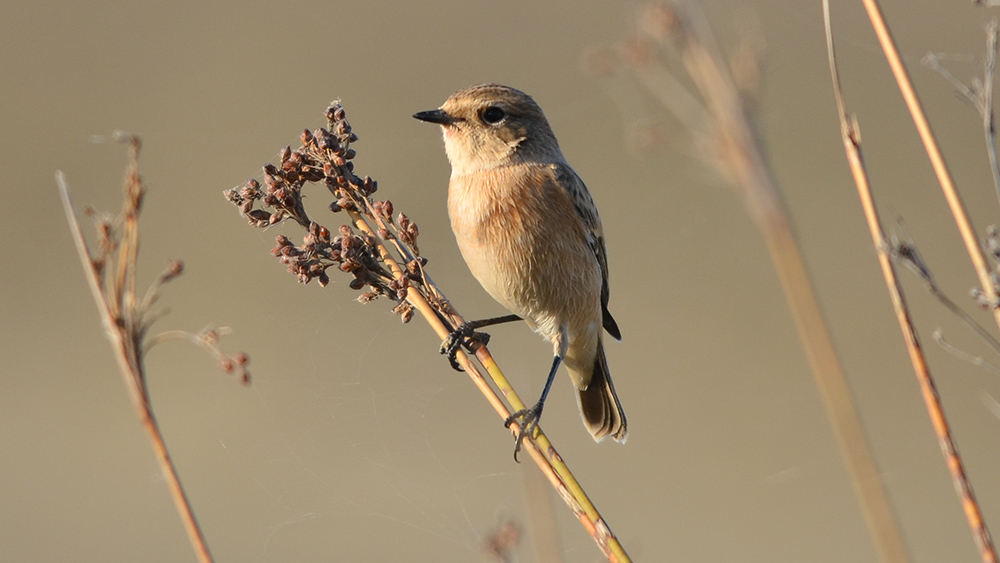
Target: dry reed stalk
(111,275)
(380,252)
(851,136)
(717,118)
(987,280)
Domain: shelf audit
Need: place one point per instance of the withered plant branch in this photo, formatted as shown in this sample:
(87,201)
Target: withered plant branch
(987,280)
(977,361)
(907,253)
(979,93)
(731,146)
(851,136)
(111,275)
(379,250)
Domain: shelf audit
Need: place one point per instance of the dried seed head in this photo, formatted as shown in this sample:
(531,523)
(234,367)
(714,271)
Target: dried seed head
(258,216)
(174,269)
(312,174)
(307,138)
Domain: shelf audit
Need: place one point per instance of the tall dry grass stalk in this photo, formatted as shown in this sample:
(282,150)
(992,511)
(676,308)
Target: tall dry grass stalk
(887,251)
(110,269)
(715,112)
(377,247)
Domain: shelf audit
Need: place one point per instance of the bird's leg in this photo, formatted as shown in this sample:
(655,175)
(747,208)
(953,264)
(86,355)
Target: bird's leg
(466,333)
(527,419)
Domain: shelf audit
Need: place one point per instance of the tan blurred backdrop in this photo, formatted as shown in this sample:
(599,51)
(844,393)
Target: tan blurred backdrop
(338,451)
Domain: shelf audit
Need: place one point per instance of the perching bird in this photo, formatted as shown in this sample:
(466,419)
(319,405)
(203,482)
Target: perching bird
(530,233)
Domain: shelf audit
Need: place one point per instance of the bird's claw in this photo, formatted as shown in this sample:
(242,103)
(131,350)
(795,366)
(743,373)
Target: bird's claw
(464,335)
(527,420)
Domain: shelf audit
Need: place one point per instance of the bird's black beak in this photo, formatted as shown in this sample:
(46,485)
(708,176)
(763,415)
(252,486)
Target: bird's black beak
(438,116)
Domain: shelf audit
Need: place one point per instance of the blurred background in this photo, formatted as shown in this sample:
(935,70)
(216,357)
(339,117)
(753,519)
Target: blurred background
(356,441)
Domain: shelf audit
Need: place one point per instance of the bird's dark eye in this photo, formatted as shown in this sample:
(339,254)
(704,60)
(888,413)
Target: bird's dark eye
(493,115)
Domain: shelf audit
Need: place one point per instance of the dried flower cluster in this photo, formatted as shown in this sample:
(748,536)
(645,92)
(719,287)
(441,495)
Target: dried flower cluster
(326,157)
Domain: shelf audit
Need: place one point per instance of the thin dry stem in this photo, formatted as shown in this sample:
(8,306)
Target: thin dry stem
(126,319)
(131,370)
(986,278)
(732,148)
(851,137)
(977,361)
(979,94)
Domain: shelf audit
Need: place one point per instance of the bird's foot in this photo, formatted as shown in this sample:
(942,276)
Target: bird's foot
(527,420)
(464,335)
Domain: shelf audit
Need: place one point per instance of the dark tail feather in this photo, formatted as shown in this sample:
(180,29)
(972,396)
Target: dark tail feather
(602,413)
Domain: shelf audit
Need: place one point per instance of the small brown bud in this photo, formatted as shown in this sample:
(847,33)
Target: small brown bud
(307,138)
(357,284)
(174,269)
(312,174)
(259,215)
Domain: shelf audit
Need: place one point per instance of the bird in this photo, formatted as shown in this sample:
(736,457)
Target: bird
(530,233)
